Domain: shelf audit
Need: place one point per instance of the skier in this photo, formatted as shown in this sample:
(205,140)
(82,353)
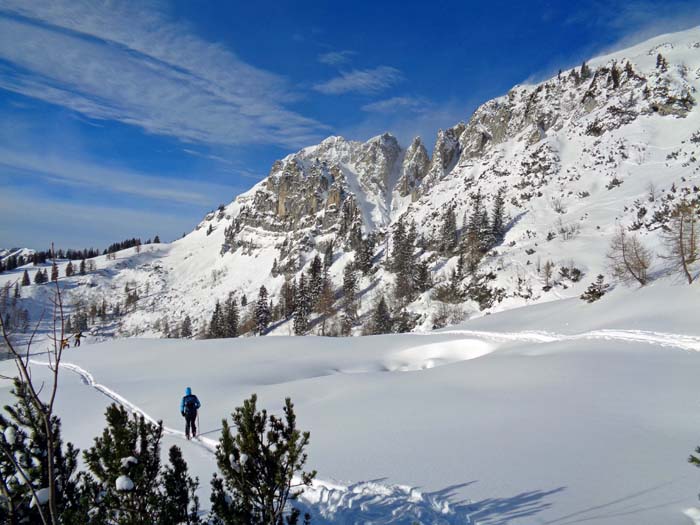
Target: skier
(77,338)
(64,344)
(188,408)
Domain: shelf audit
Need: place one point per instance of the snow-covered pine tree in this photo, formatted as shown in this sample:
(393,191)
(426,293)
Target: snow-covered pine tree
(125,482)
(231,317)
(585,71)
(69,269)
(263,315)
(595,290)
(24,468)
(179,501)
(448,231)
(328,256)
(364,254)
(216,324)
(498,226)
(402,261)
(424,280)
(315,279)
(81,270)
(349,316)
(380,321)
(302,308)
(261,467)
(54,272)
(186,327)
(25,278)
(288,293)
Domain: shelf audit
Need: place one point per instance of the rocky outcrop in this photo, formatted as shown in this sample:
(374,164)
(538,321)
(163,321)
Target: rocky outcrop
(415,166)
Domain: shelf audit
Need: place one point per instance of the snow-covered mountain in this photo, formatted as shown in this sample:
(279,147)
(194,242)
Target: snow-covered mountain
(15,252)
(614,141)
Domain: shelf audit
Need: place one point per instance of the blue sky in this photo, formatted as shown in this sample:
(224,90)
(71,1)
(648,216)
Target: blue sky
(121,119)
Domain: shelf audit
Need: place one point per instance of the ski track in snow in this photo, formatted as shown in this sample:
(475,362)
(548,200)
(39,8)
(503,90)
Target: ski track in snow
(373,502)
(367,502)
(685,342)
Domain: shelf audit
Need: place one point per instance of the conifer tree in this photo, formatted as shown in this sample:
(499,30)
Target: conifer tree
(126,479)
(216,324)
(381,322)
(498,228)
(423,277)
(402,261)
(54,272)
(24,467)
(289,290)
(262,311)
(40,276)
(82,267)
(349,316)
(364,254)
(69,269)
(25,278)
(448,231)
(315,279)
(186,327)
(585,71)
(302,308)
(328,256)
(179,501)
(596,290)
(261,467)
(156,239)
(231,317)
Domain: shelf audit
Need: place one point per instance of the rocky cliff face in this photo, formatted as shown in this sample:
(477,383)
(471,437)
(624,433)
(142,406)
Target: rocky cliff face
(614,141)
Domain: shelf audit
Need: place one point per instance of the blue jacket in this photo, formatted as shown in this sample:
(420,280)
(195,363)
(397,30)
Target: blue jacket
(189,400)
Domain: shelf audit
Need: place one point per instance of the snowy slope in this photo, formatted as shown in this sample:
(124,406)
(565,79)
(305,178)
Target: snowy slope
(576,155)
(503,420)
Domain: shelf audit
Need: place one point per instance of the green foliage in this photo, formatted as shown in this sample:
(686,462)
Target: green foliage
(381,321)
(595,290)
(24,465)
(261,467)
(130,447)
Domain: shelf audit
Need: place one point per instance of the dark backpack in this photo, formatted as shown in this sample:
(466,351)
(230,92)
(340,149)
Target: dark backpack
(190,403)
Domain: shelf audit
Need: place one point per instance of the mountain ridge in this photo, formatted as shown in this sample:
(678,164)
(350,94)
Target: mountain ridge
(571,157)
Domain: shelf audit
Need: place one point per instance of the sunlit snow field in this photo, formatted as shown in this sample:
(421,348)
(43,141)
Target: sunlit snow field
(502,420)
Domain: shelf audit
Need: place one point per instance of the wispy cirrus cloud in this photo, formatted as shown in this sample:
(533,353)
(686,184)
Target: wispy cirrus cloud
(365,81)
(335,58)
(91,225)
(398,104)
(130,63)
(113,181)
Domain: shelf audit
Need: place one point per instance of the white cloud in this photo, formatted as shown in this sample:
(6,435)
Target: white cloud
(126,62)
(361,81)
(89,176)
(398,104)
(334,58)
